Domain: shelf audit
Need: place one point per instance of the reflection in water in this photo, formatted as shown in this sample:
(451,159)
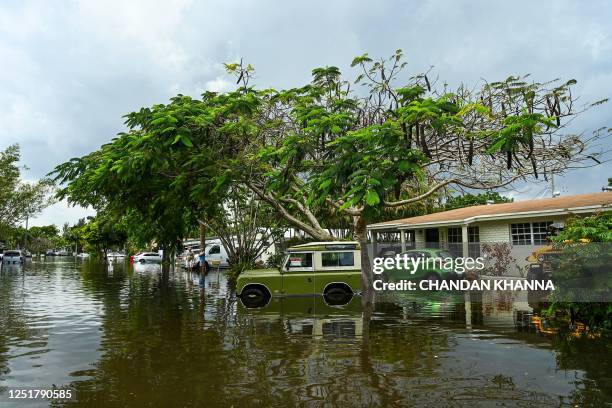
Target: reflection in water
(144,336)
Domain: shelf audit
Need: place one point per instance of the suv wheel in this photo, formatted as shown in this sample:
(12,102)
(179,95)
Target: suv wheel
(337,295)
(255,296)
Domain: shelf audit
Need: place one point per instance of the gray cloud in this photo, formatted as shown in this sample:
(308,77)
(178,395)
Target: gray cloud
(70,70)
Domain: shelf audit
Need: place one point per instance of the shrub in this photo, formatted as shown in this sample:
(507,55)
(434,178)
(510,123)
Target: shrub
(499,258)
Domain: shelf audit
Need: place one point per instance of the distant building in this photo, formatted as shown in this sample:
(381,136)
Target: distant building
(523,225)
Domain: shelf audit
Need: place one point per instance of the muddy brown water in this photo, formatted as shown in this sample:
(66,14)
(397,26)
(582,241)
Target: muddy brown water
(140,337)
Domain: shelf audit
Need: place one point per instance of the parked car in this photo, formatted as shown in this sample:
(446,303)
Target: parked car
(13,257)
(147,257)
(331,269)
(432,271)
(116,256)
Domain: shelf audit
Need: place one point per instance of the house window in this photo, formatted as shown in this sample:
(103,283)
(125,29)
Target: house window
(474,242)
(454,241)
(337,259)
(432,238)
(529,233)
(540,231)
(521,233)
(454,235)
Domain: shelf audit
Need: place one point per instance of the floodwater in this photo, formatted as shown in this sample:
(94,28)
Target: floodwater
(124,337)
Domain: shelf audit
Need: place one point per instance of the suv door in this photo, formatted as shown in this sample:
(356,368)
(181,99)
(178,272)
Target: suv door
(298,274)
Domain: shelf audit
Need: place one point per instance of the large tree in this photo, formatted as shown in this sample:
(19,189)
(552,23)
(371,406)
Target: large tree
(387,145)
(330,150)
(170,170)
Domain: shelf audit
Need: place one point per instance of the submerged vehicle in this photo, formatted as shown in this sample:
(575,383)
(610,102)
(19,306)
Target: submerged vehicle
(215,256)
(148,257)
(13,257)
(331,269)
(427,270)
(116,256)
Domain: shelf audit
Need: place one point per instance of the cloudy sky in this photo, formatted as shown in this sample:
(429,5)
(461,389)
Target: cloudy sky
(71,69)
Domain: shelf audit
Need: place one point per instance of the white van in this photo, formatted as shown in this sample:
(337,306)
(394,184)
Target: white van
(216,255)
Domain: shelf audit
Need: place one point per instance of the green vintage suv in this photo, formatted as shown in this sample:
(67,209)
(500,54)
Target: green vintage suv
(331,269)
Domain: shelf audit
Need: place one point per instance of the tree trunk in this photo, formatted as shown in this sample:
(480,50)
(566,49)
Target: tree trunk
(164,254)
(202,235)
(360,234)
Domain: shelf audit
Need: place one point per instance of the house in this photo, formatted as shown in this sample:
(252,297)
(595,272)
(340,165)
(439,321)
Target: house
(522,225)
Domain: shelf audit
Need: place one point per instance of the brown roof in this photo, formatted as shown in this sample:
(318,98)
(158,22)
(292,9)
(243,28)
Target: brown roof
(559,204)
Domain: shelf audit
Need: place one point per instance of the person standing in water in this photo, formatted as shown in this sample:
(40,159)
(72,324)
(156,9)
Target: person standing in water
(189,259)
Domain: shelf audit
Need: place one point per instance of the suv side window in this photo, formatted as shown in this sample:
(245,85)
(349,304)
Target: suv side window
(331,259)
(299,260)
(216,249)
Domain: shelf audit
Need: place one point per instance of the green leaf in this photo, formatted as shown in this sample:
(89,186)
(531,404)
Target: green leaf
(405,165)
(186,140)
(361,59)
(325,184)
(372,198)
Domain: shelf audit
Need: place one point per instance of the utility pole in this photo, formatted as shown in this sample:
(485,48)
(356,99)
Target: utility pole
(552,187)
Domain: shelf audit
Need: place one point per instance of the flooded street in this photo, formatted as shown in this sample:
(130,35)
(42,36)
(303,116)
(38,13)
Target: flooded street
(139,337)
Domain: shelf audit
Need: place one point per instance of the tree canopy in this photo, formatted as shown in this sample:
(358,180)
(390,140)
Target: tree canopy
(469,199)
(330,149)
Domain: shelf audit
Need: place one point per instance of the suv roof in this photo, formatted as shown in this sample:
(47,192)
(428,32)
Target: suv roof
(327,246)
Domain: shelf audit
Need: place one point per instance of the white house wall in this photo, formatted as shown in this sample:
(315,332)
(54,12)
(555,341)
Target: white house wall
(494,231)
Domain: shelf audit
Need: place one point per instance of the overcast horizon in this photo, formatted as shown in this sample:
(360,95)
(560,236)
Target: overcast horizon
(71,70)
